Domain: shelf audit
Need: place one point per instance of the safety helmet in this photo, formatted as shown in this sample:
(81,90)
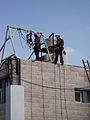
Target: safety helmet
(41,33)
(35,33)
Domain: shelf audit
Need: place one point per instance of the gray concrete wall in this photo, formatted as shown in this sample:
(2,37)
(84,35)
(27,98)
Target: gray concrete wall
(58,104)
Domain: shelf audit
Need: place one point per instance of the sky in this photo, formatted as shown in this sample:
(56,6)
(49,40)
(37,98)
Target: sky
(69,18)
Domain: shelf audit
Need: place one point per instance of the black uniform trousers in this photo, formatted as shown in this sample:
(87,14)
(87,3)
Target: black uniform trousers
(58,51)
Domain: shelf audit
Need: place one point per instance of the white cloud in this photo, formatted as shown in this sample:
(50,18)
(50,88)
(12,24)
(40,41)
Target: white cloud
(70,50)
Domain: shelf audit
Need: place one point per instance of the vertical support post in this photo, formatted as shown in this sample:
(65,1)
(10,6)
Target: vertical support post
(14,102)
(4,44)
(48,51)
(12,42)
(53,45)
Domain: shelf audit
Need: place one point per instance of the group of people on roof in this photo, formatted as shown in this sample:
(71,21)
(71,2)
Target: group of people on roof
(59,47)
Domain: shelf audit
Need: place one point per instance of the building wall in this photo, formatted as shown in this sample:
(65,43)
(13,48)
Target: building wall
(49,91)
(2,111)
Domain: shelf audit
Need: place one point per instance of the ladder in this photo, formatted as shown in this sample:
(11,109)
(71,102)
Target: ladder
(87,69)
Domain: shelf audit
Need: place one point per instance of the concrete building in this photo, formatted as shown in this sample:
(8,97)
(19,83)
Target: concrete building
(35,90)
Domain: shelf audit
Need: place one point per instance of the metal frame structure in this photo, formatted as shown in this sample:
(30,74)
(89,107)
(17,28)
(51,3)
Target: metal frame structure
(87,69)
(9,36)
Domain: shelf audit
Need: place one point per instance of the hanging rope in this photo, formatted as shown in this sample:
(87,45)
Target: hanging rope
(65,95)
(22,35)
(20,38)
(42,91)
(60,93)
(31,90)
(55,93)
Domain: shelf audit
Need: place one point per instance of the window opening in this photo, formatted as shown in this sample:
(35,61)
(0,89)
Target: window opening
(78,96)
(82,96)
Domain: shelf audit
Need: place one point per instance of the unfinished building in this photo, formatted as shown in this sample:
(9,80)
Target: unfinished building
(39,90)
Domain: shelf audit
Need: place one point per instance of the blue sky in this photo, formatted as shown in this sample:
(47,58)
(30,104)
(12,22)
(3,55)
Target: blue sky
(69,18)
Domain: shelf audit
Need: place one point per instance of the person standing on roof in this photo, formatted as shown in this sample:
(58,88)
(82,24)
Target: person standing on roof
(59,49)
(37,45)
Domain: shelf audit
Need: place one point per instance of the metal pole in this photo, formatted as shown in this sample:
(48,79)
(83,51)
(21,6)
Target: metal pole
(86,71)
(7,40)
(26,30)
(48,51)
(30,55)
(12,43)
(3,47)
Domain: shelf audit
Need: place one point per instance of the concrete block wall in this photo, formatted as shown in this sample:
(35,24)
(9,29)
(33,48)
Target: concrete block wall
(2,111)
(48,103)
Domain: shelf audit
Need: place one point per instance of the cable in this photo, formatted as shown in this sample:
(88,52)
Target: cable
(31,90)
(65,95)
(55,93)
(20,38)
(42,91)
(60,93)
(22,35)
(49,87)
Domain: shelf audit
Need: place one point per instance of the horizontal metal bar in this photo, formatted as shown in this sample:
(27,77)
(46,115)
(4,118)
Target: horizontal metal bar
(26,30)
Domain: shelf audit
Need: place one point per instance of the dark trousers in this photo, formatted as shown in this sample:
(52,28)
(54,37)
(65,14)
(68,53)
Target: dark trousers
(36,53)
(59,52)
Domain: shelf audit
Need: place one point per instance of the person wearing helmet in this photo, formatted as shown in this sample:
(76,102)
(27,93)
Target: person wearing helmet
(59,49)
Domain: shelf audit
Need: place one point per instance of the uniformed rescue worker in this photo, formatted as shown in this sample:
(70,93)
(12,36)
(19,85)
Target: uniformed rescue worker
(37,45)
(59,49)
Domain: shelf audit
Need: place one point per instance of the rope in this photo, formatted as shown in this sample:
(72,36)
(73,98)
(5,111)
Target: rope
(42,91)
(31,90)
(60,93)
(20,38)
(22,35)
(65,95)
(55,93)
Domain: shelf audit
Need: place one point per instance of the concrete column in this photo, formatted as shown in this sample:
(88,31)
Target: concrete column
(15,102)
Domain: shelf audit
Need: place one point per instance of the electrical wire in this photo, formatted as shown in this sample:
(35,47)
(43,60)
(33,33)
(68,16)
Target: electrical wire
(48,87)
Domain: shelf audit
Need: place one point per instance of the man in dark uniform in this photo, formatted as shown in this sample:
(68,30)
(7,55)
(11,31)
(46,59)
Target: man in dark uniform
(59,48)
(37,45)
